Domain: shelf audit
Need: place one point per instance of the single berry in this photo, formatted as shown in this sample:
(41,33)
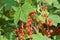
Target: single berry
(32,14)
(27,24)
(49,22)
(41,23)
(44,16)
(51,31)
(48,36)
(29,33)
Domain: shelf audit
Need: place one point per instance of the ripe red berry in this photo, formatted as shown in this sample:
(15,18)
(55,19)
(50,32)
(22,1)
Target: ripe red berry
(27,24)
(48,36)
(41,23)
(28,29)
(21,30)
(21,35)
(51,31)
(16,31)
(49,22)
(32,14)
(48,33)
(47,30)
(29,33)
(44,16)
(31,29)
(29,19)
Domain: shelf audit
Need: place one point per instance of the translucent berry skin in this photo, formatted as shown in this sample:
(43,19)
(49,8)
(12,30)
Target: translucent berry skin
(51,31)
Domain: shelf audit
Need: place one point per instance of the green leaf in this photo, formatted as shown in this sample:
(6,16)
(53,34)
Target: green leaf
(25,10)
(17,16)
(15,8)
(28,1)
(40,18)
(12,36)
(48,1)
(36,36)
(40,37)
(9,3)
(23,13)
(55,19)
(57,37)
(3,38)
(18,1)
(56,3)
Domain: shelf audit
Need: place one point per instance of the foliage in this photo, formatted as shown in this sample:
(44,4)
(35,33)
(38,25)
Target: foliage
(35,18)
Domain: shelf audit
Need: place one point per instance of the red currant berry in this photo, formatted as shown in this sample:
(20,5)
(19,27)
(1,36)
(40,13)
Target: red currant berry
(48,33)
(49,21)
(48,36)
(32,14)
(51,31)
(27,24)
(29,19)
(28,30)
(47,30)
(41,23)
(50,24)
(44,16)
(29,33)
(31,29)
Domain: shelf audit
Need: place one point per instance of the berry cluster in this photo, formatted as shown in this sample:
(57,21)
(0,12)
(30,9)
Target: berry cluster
(49,22)
(48,33)
(28,28)
(36,25)
(29,22)
(20,33)
(57,31)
